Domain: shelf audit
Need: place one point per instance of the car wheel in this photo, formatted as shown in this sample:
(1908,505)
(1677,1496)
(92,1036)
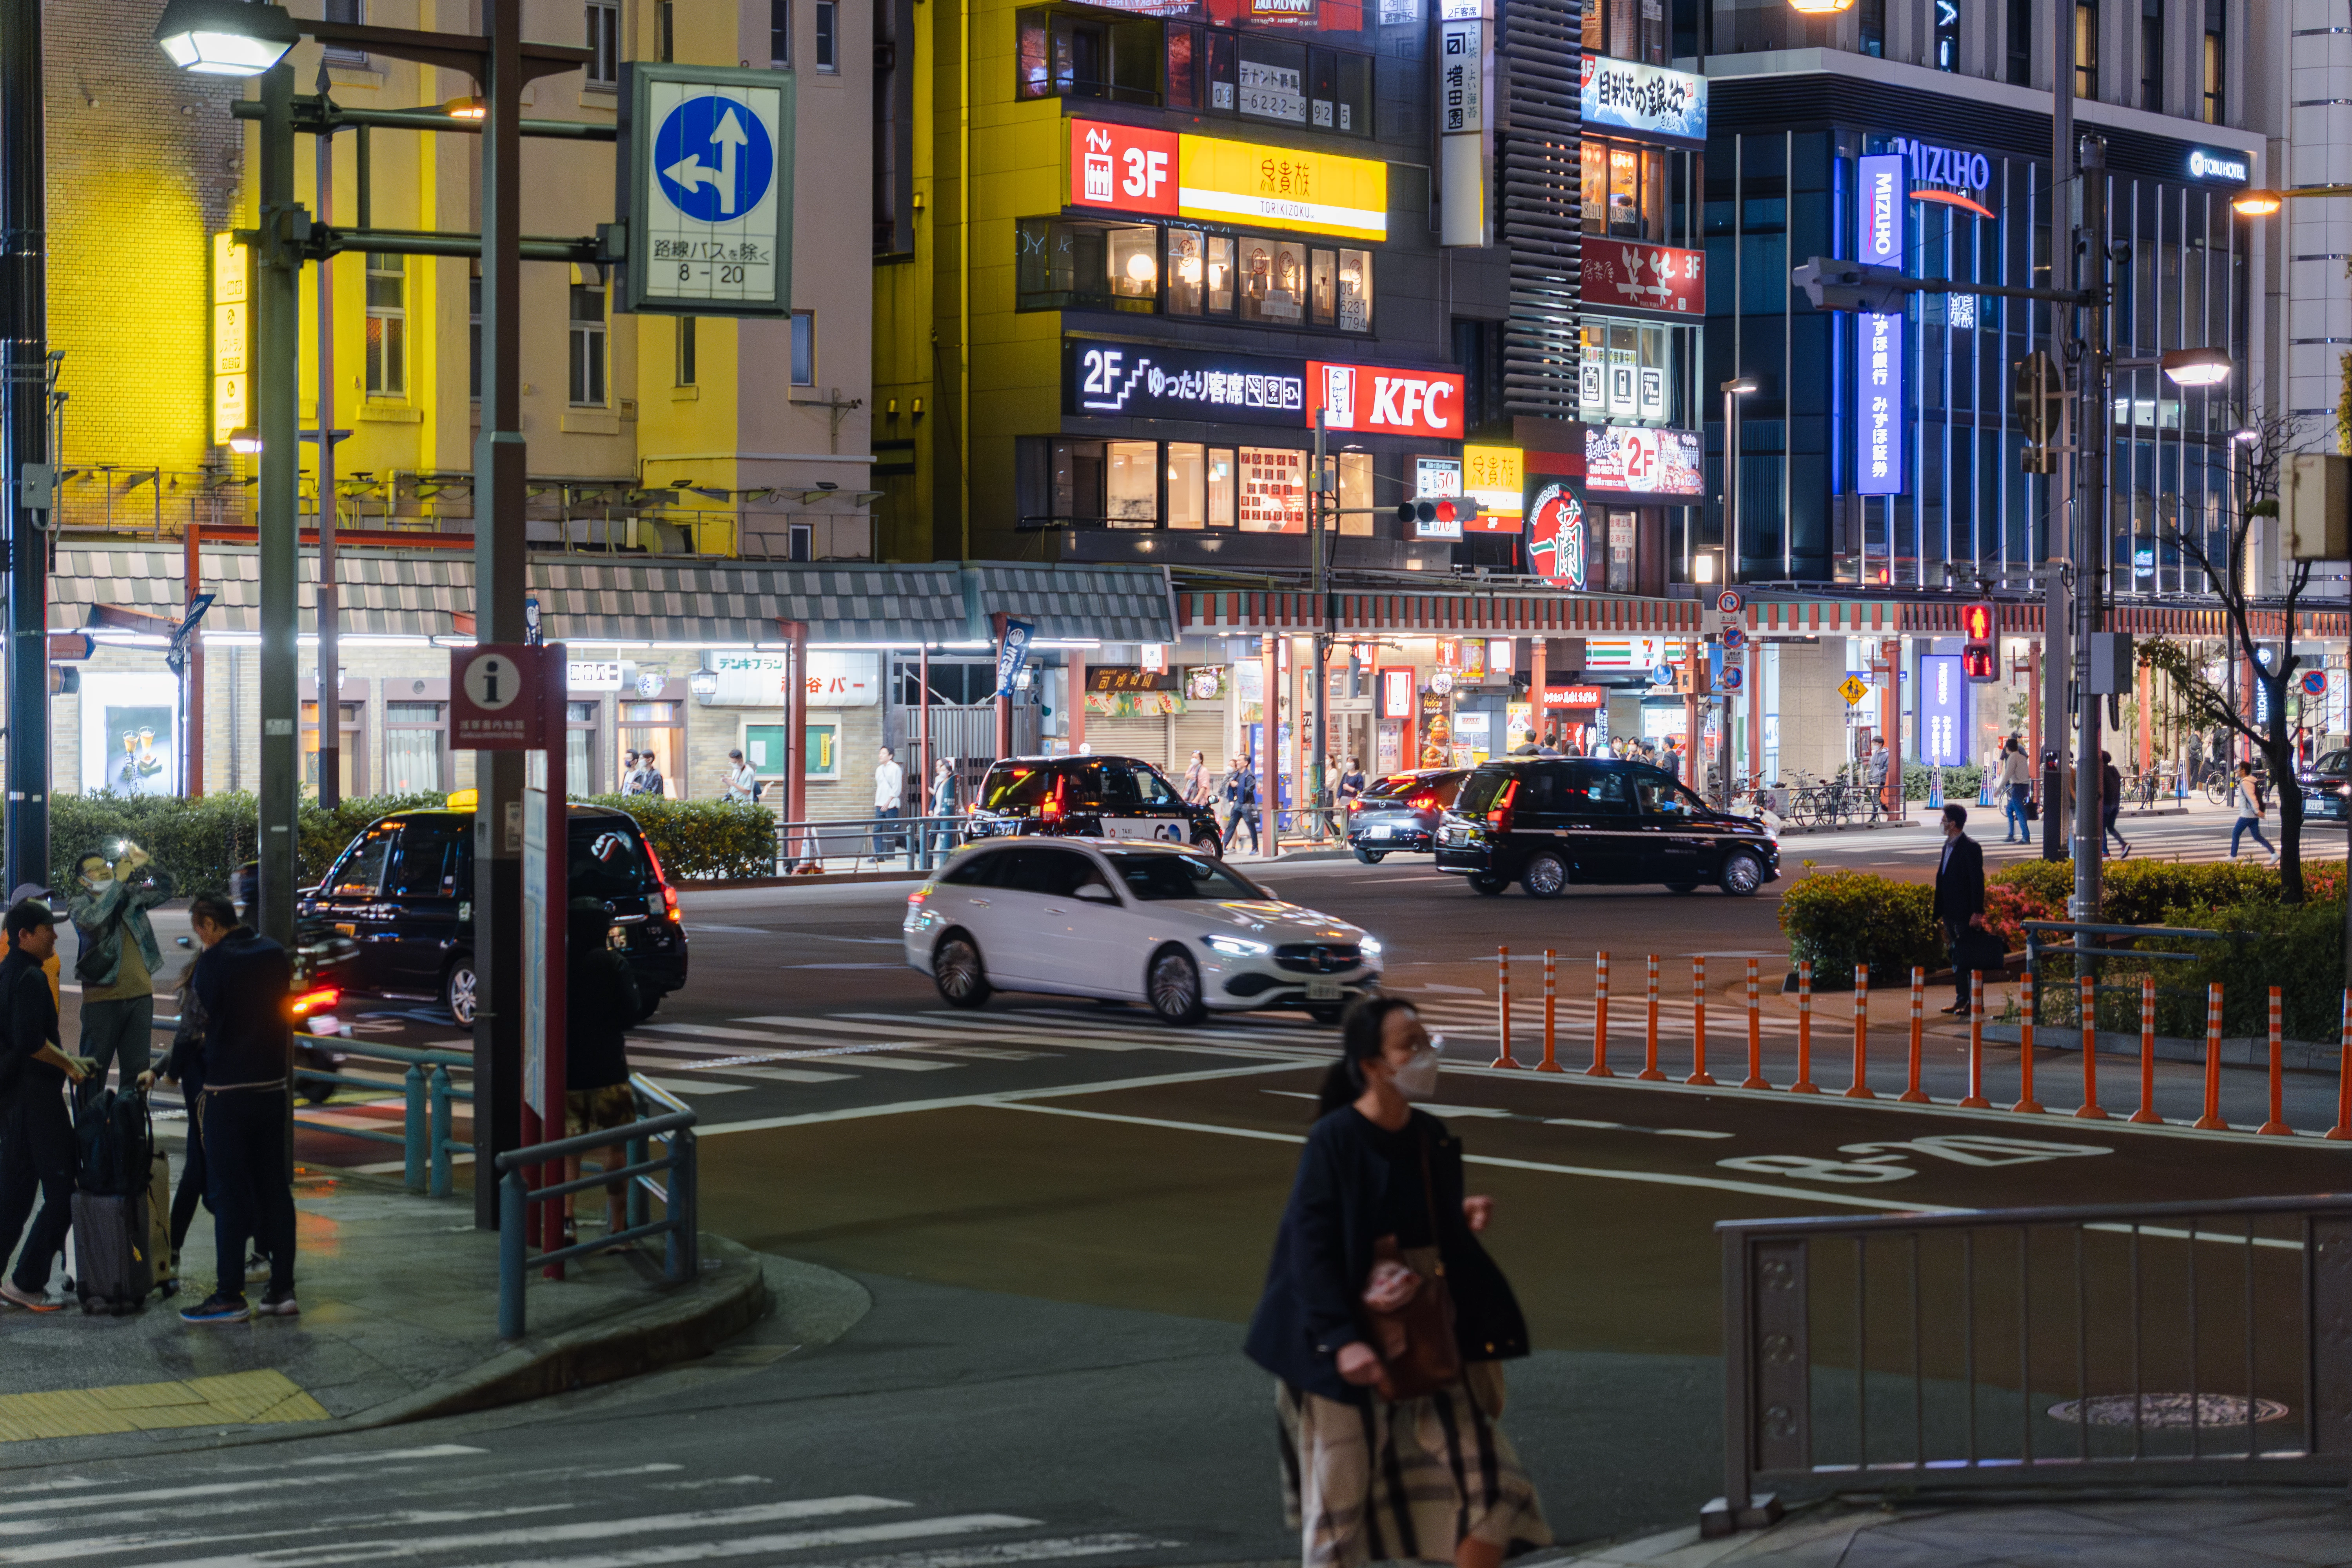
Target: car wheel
(958,972)
(1207,838)
(1545,876)
(1372,857)
(1742,876)
(1172,985)
(1682,887)
(1487,884)
(457,992)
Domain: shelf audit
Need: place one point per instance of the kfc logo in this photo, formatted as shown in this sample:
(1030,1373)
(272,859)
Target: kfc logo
(1400,402)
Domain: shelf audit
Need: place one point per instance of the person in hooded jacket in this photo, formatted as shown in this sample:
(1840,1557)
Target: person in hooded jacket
(1429,1477)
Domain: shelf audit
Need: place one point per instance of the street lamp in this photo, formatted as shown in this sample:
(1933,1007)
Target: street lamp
(1820,7)
(2195,367)
(2262,204)
(1737,387)
(226,38)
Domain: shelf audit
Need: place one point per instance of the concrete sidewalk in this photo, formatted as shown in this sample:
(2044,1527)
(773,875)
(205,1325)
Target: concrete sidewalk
(2212,1528)
(399,1322)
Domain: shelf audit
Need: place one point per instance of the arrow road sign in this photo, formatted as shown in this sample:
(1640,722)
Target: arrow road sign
(744,161)
(705,190)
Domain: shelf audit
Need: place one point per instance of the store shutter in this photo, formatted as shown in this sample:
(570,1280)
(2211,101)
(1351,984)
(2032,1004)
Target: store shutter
(1143,737)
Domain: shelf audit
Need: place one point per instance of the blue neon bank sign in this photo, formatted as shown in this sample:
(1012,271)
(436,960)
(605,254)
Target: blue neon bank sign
(1878,339)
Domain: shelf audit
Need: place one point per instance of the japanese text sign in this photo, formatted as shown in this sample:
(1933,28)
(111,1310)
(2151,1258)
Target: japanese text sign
(1668,105)
(706,189)
(1878,339)
(1165,173)
(1623,276)
(495,692)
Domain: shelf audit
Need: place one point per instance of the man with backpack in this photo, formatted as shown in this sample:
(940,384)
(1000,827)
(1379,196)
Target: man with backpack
(36,1140)
(1241,798)
(118,960)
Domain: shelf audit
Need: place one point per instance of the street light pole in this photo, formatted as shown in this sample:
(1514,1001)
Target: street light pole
(23,427)
(2056,661)
(329,679)
(2090,528)
(277,335)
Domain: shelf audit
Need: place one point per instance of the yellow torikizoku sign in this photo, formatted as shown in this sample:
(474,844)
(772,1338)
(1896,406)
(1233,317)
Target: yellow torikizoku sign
(1168,174)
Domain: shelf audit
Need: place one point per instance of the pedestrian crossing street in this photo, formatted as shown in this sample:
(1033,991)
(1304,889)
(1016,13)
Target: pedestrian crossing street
(451,1503)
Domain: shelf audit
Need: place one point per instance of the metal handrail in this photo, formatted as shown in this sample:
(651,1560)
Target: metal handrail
(2036,950)
(915,840)
(516,1196)
(1958,1349)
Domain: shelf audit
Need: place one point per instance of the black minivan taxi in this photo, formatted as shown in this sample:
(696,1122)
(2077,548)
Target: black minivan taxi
(1547,822)
(404,892)
(1088,797)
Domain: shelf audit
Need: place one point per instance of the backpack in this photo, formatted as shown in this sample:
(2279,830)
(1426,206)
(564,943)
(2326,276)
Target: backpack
(117,1139)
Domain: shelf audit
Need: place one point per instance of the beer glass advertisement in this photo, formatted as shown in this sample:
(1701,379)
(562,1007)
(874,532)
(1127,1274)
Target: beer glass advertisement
(129,732)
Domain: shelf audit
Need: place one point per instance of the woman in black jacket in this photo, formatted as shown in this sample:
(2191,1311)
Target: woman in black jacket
(1431,1477)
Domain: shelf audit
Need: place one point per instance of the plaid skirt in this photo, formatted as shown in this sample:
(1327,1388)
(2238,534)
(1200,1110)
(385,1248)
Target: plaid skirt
(1380,1482)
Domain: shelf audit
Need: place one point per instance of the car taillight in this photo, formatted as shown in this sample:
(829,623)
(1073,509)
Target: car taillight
(669,894)
(1053,801)
(1421,802)
(1499,819)
(317,1000)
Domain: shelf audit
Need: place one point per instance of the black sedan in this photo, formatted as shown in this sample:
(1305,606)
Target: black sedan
(1088,797)
(1546,824)
(1400,812)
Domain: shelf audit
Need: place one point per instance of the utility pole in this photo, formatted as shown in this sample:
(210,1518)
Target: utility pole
(2089,525)
(2056,661)
(329,677)
(498,590)
(1318,503)
(277,334)
(25,430)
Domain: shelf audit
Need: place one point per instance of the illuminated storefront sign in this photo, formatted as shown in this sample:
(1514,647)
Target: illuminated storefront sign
(1136,381)
(1943,711)
(1556,536)
(1380,401)
(1496,477)
(1878,339)
(1619,275)
(2205,165)
(1646,100)
(1641,460)
(232,409)
(1952,176)
(1168,174)
(1575,697)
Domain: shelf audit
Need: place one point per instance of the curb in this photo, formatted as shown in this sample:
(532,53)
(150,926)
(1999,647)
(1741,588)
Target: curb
(2245,1051)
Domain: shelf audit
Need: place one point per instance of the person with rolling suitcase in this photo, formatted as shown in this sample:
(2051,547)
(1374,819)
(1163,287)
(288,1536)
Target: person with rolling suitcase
(36,1140)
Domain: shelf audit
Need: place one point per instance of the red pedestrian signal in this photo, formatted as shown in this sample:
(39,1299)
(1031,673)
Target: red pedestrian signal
(1979,654)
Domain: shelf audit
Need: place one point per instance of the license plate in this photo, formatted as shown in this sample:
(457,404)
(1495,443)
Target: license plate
(1322,991)
(1384,831)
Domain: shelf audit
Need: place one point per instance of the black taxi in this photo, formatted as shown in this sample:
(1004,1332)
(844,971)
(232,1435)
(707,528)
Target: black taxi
(1546,822)
(1088,797)
(1402,812)
(404,892)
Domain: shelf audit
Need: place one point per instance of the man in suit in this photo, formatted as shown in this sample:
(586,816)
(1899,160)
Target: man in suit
(1960,894)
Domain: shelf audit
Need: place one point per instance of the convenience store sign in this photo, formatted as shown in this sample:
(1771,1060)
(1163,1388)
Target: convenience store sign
(1168,174)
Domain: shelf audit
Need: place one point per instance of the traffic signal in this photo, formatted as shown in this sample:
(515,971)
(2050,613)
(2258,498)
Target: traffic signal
(1979,654)
(1444,508)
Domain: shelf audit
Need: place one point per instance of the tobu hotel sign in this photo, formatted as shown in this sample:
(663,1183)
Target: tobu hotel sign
(1622,276)
(1137,381)
(1169,173)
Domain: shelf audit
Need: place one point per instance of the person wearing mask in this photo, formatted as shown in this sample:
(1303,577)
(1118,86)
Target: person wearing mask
(2247,799)
(601,1001)
(2016,776)
(1196,780)
(1351,785)
(1241,801)
(1959,896)
(628,772)
(38,1154)
(2111,803)
(1874,769)
(944,805)
(242,981)
(117,959)
(889,794)
(742,783)
(1381,1463)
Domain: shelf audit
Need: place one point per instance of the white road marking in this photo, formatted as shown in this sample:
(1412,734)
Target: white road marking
(1045,1550)
(785,1075)
(1003,1097)
(697,1086)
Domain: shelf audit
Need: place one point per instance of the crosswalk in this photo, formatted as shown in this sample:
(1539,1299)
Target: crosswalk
(440,1504)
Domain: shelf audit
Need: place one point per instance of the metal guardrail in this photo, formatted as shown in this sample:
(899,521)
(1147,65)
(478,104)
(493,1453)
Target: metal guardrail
(2131,1343)
(850,843)
(2037,950)
(679,1222)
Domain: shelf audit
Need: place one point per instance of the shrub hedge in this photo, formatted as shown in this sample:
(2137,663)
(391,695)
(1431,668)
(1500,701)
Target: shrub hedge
(1961,784)
(703,840)
(1843,918)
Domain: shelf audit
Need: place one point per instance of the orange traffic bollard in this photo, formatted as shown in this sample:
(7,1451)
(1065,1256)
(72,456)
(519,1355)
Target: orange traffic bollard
(1975,1099)
(1550,1063)
(2276,1126)
(2026,1103)
(1698,1022)
(2211,1121)
(1599,1067)
(2090,1109)
(1650,1073)
(1915,1095)
(2146,1111)
(1755,1079)
(1805,1084)
(1503,1006)
(1860,1087)
(2342,1132)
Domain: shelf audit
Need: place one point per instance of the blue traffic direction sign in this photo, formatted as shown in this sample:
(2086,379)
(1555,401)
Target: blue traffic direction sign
(715,158)
(1662,675)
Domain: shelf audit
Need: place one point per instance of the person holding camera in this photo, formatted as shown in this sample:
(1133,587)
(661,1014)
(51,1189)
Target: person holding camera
(118,958)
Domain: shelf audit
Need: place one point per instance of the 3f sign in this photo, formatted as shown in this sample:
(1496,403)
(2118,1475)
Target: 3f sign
(1147,171)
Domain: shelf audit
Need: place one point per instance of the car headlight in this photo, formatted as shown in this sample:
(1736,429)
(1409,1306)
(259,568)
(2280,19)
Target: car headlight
(1236,946)
(1370,947)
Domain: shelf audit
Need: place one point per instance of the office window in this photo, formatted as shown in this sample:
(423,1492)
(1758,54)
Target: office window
(2021,43)
(1188,476)
(685,351)
(1948,34)
(387,325)
(587,342)
(1131,484)
(780,32)
(828,57)
(665,31)
(1062,56)
(2217,17)
(2086,49)
(603,18)
(1873,24)
(1273,79)
(474,333)
(2151,55)
(1183,271)
(413,739)
(353,12)
(804,348)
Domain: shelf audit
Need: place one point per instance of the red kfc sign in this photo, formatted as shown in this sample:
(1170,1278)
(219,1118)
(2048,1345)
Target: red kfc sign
(1379,401)
(1622,275)
(1123,166)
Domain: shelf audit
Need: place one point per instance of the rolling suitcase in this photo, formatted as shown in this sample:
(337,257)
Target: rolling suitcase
(115,1208)
(162,1267)
(113,1266)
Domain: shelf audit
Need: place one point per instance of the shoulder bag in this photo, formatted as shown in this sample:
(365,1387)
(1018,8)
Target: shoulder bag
(1409,1311)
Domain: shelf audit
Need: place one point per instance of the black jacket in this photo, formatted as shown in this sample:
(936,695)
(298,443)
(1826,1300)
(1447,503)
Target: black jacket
(31,1015)
(243,982)
(1323,1255)
(599,1003)
(1960,882)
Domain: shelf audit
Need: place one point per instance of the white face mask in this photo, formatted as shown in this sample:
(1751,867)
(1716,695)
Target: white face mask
(97,879)
(1417,1080)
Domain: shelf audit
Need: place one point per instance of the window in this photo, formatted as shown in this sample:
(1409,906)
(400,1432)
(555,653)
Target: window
(665,31)
(780,32)
(1622,526)
(387,325)
(1355,291)
(474,333)
(1131,484)
(2086,49)
(1063,265)
(1062,56)
(1342,99)
(685,351)
(1273,80)
(413,733)
(587,342)
(579,747)
(1183,271)
(1222,479)
(1188,474)
(1273,491)
(1948,34)
(353,12)
(804,348)
(821,749)
(1322,286)
(603,18)
(425,865)
(1624,191)
(349,763)
(2151,55)
(1626,29)
(2021,43)
(828,57)
(1274,280)
(1627,368)
(1073,485)
(1352,483)
(1873,24)
(1221,275)
(2216,34)
(1184,61)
